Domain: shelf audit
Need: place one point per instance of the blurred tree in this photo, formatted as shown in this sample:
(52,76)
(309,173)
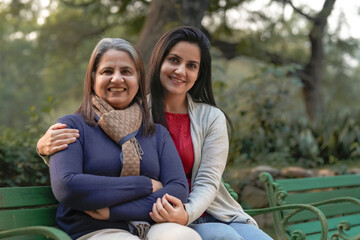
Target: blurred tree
(163,15)
(59,49)
(21,63)
(280,46)
(311,74)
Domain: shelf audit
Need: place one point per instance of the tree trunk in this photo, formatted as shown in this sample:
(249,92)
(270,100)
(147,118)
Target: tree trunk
(311,75)
(164,15)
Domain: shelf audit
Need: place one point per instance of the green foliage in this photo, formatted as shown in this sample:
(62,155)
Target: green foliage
(270,123)
(19,163)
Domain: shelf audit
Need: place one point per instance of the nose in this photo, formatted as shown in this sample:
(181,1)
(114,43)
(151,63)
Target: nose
(117,76)
(181,69)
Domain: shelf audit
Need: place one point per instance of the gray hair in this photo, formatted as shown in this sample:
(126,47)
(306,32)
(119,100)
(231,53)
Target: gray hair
(106,44)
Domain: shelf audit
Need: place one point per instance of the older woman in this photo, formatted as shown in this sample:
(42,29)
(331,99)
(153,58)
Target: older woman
(109,179)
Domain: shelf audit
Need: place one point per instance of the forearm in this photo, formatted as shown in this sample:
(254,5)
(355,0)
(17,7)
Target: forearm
(139,209)
(90,192)
(212,157)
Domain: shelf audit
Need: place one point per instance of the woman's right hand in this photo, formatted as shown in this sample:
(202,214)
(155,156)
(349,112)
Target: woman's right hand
(157,185)
(56,138)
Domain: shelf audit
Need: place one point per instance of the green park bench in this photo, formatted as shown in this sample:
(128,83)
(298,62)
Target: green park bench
(322,207)
(315,208)
(28,213)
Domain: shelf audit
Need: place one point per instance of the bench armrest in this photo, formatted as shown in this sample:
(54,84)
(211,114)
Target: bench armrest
(296,208)
(48,232)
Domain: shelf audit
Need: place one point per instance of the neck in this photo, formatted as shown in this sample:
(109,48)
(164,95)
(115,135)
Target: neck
(176,104)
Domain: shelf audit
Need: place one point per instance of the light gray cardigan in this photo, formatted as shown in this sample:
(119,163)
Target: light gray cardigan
(211,146)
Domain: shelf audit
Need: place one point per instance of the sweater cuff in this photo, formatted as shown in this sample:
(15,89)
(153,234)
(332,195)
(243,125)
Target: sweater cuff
(188,210)
(45,158)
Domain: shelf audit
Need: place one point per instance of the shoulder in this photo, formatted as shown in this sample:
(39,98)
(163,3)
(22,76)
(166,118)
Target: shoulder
(199,108)
(72,120)
(205,112)
(160,131)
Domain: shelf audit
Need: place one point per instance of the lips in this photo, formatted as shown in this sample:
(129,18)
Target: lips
(177,80)
(119,89)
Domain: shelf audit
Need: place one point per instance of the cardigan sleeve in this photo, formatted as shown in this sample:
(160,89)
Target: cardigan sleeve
(172,177)
(81,191)
(212,148)
(45,158)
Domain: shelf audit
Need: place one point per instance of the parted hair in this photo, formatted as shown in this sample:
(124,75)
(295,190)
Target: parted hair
(101,47)
(202,89)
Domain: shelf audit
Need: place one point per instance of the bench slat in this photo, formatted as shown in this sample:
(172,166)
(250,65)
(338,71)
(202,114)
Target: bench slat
(27,217)
(26,196)
(314,227)
(352,232)
(310,197)
(28,237)
(329,210)
(319,182)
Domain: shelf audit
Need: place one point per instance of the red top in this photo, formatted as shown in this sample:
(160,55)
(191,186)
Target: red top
(179,128)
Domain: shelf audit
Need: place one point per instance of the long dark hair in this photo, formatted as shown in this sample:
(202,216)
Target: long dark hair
(202,89)
(101,47)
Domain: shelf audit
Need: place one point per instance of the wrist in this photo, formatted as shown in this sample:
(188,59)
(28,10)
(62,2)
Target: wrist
(40,153)
(186,217)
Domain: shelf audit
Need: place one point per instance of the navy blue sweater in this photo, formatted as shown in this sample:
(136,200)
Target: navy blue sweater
(85,176)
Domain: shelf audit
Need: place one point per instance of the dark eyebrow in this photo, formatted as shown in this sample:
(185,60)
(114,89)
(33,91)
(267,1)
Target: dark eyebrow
(182,58)
(106,68)
(126,67)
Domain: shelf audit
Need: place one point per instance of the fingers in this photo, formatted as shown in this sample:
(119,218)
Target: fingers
(91,213)
(155,215)
(166,205)
(104,213)
(56,138)
(156,185)
(174,200)
(163,211)
(57,126)
(160,208)
(101,214)
(59,138)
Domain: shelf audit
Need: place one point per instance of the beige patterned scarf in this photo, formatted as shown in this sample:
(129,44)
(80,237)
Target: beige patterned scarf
(122,127)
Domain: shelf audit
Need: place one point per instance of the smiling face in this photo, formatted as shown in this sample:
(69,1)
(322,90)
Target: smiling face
(180,68)
(116,79)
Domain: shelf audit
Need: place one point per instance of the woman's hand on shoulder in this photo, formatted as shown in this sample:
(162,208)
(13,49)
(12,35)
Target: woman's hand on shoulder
(56,138)
(169,209)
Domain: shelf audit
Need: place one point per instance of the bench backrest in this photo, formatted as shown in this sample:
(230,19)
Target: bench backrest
(313,190)
(27,206)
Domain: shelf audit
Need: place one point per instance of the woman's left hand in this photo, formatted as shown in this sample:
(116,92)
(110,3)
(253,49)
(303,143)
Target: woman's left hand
(100,214)
(169,209)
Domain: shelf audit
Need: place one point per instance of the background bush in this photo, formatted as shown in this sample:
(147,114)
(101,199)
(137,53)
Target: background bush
(19,163)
